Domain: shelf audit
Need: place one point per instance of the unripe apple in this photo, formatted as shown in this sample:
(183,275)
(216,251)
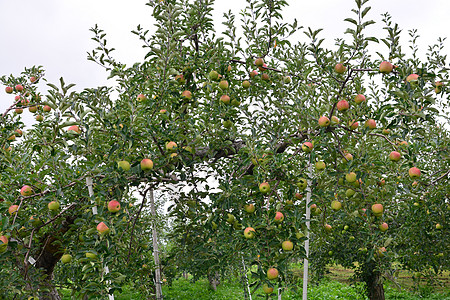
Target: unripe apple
(264,187)
(386,131)
(439,226)
(353,124)
(113,206)
(320,165)
(225,99)
(334,120)
(381,251)
(91,255)
(33,109)
(74,129)
(246,84)
(327,227)
(227,124)
(186,95)
(346,227)
(259,62)
(249,233)
(66,258)
(371,124)
(13,209)
(324,121)
(360,98)
(265,76)
(279,217)
(383,227)
(395,156)
(386,67)
(412,79)
(231,219)
(9,89)
(307,147)
(171,146)
(267,289)
(102,228)
(12,138)
(342,105)
(213,75)
(47,108)
(146,164)
(287,79)
(414,172)
(351,177)
(403,143)
(287,246)
(26,190)
(302,184)
(19,88)
(53,205)
(249,208)
(272,274)
(377,210)
(253,73)
(124,165)
(438,87)
(235,103)
(340,68)
(223,85)
(347,157)
(336,205)
(350,193)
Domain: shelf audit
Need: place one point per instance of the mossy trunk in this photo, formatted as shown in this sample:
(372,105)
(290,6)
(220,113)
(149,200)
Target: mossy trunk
(375,287)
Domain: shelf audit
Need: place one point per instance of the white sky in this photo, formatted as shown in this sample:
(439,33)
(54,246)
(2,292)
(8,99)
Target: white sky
(55,33)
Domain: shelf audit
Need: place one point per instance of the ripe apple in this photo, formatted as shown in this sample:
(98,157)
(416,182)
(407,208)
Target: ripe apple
(47,108)
(66,258)
(249,208)
(53,205)
(353,124)
(307,147)
(403,143)
(383,227)
(146,164)
(351,177)
(287,245)
(324,121)
(265,76)
(302,184)
(253,73)
(171,146)
(298,196)
(395,156)
(9,89)
(223,85)
(342,105)
(334,120)
(102,228)
(18,111)
(336,205)
(246,84)
(39,118)
(412,79)
(113,206)
(264,187)
(371,124)
(279,217)
(4,239)
(340,68)
(386,67)
(267,289)
(225,99)
(263,67)
(74,129)
(272,274)
(259,62)
(124,165)
(13,209)
(320,165)
(438,87)
(213,75)
(19,88)
(163,111)
(382,182)
(347,157)
(249,232)
(377,210)
(380,252)
(360,98)
(414,172)
(439,226)
(386,131)
(327,227)
(33,79)
(26,190)
(12,138)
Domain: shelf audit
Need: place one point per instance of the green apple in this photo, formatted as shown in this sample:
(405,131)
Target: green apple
(350,177)
(320,165)
(272,274)
(249,233)
(287,245)
(53,205)
(264,187)
(336,205)
(124,165)
(249,208)
(66,258)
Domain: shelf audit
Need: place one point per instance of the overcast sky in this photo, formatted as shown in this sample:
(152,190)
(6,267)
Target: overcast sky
(55,33)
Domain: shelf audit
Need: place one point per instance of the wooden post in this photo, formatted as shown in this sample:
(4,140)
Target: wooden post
(158,287)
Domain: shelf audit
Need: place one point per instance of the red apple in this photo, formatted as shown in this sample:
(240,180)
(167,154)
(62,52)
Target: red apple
(371,124)
(324,121)
(395,156)
(12,138)
(113,206)
(414,172)
(307,147)
(225,99)
(438,87)
(413,78)
(171,146)
(33,109)
(340,68)
(263,67)
(18,110)
(264,187)
(141,97)
(146,164)
(249,233)
(33,79)
(19,88)
(253,73)
(272,274)
(342,105)
(47,108)
(377,210)
(13,209)
(9,89)
(353,125)
(102,228)
(298,196)
(4,239)
(74,129)
(386,131)
(360,99)
(386,67)
(383,227)
(26,191)
(327,227)
(279,217)
(265,76)
(287,246)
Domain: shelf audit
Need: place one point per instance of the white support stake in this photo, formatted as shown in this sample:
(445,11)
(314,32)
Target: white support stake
(308,216)
(159,295)
(94,211)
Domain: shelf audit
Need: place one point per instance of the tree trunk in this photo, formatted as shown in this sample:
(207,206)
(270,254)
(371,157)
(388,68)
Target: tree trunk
(214,280)
(375,288)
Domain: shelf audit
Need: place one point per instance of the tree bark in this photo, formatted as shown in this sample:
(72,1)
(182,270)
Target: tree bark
(375,288)
(214,279)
